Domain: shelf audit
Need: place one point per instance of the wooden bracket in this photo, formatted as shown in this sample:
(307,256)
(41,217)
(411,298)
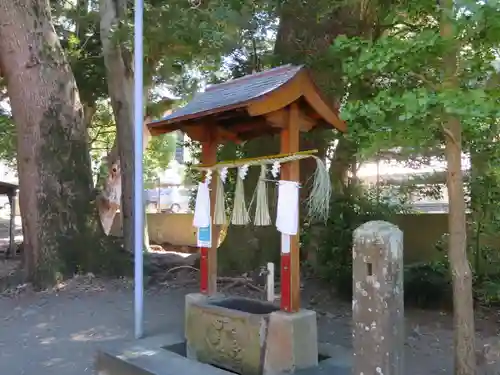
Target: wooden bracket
(209,132)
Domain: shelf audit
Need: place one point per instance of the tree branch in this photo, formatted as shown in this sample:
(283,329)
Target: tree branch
(425,80)
(450,135)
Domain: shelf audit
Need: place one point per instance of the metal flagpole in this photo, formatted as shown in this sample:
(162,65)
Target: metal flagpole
(138,211)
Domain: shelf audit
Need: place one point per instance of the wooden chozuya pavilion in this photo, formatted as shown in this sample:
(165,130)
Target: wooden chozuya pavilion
(10,190)
(283,101)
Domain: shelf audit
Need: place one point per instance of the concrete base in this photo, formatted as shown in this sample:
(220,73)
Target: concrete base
(287,343)
(291,342)
(249,337)
(150,357)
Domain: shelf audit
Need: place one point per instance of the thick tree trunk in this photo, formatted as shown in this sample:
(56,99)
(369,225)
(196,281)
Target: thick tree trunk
(120,77)
(53,159)
(463,307)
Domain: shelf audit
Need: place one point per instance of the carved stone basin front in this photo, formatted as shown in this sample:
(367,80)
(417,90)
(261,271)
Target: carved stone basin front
(229,332)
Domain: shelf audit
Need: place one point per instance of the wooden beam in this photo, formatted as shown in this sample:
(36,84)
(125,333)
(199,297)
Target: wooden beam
(280,119)
(224,135)
(290,259)
(249,126)
(197,133)
(208,257)
(208,132)
(301,86)
(317,102)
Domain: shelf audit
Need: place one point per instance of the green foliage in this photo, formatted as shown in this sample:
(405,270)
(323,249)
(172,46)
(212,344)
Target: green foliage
(484,192)
(396,96)
(180,41)
(157,156)
(334,243)
(7,138)
(488,292)
(102,133)
(78,28)
(428,284)
(229,151)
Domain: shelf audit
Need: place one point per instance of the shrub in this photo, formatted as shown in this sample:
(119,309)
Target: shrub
(428,285)
(487,292)
(334,243)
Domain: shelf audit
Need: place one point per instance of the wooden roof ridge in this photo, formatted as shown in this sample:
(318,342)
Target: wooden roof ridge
(252,76)
(230,95)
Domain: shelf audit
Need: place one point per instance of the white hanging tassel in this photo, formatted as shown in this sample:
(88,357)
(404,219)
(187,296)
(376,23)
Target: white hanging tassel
(220,217)
(240,213)
(262,217)
(318,202)
(275,170)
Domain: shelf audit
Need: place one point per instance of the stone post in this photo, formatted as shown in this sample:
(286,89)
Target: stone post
(378,303)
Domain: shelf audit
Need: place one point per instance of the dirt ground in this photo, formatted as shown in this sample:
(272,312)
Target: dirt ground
(57,332)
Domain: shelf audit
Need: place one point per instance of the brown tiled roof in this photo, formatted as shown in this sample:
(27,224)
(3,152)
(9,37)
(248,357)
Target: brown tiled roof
(234,92)
(8,188)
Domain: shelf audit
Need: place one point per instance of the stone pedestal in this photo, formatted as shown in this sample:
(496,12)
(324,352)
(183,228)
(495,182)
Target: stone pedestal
(249,337)
(291,342)
(378,301)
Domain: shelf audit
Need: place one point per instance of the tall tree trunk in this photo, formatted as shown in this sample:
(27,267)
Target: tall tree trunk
(53,157)
(120,76)
(463,308)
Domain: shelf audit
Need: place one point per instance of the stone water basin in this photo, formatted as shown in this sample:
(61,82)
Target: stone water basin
(229,332)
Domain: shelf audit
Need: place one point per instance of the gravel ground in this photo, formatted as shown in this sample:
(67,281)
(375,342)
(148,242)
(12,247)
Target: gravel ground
(58,332)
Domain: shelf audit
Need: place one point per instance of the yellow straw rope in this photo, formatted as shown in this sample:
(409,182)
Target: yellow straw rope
(240,162)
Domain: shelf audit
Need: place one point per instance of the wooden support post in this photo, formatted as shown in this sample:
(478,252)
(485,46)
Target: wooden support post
(270,282)
(208,256)
(290,260)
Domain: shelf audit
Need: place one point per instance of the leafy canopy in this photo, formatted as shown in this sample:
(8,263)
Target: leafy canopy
(406,97)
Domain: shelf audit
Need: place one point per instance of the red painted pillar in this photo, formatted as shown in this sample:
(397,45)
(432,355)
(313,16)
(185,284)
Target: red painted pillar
(208,256)
(204,270)
(285,281)
(290,261)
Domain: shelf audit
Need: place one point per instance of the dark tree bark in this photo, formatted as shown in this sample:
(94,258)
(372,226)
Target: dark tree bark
(53,159)
(120,76)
